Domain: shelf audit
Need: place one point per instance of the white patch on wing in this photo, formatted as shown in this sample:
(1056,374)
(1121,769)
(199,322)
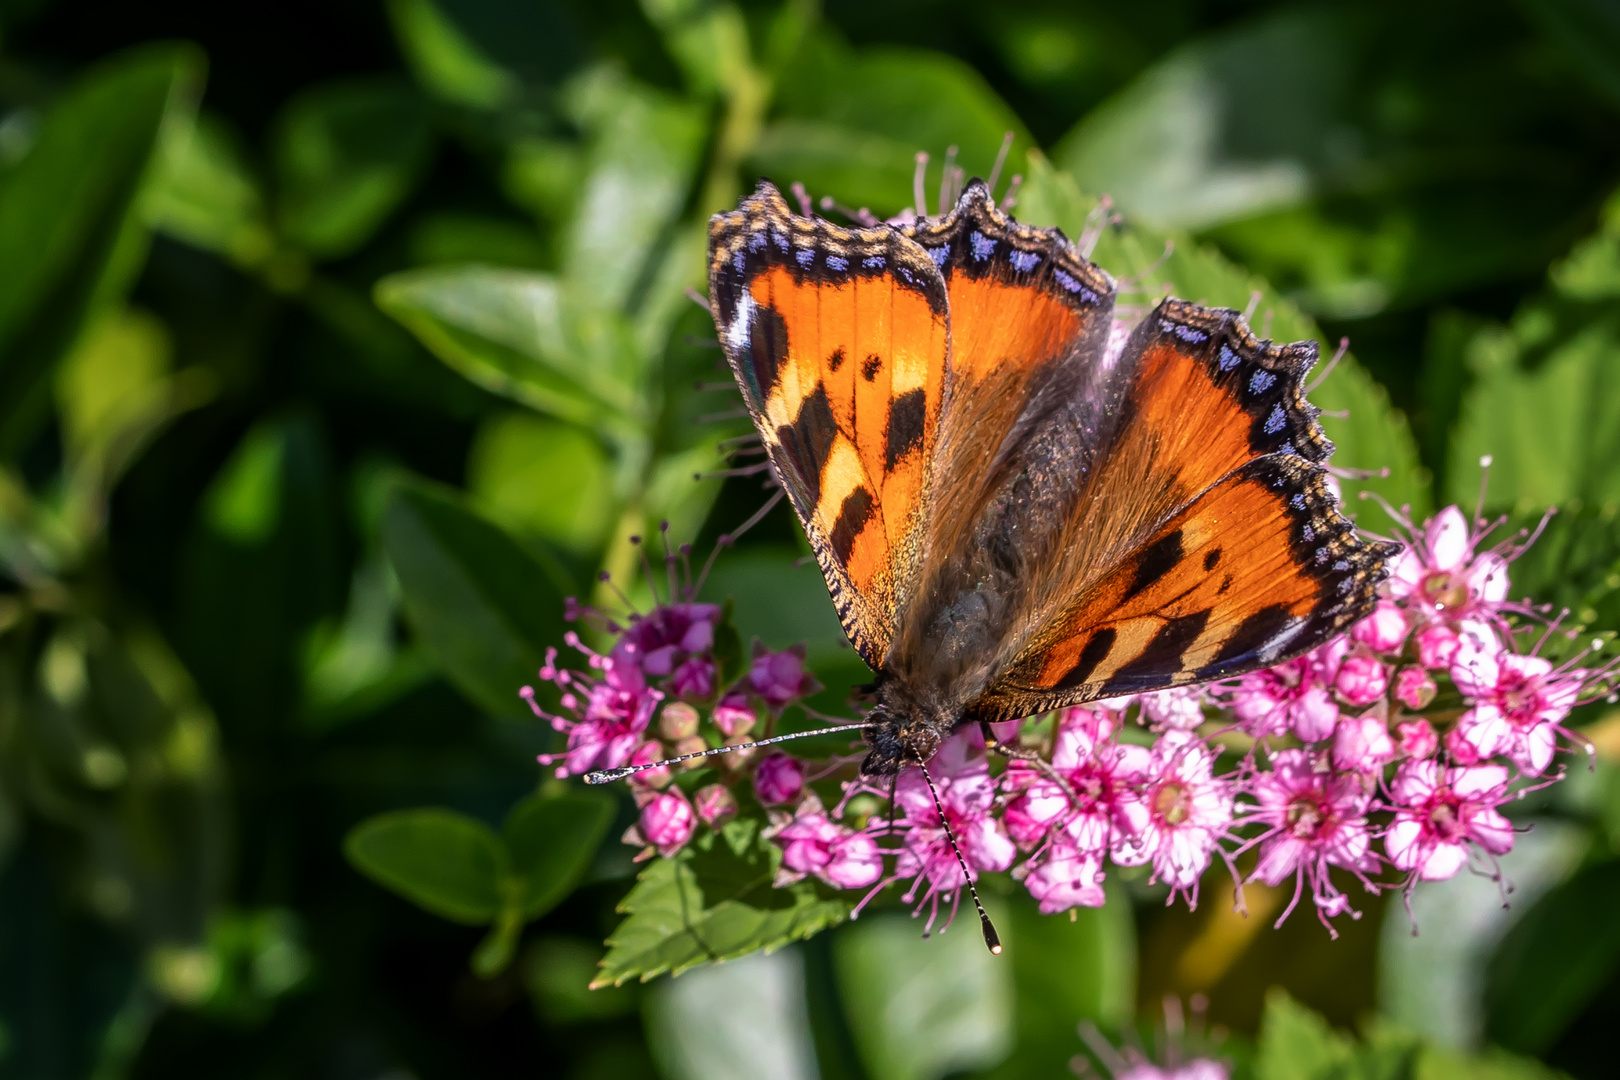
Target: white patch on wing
(737,333)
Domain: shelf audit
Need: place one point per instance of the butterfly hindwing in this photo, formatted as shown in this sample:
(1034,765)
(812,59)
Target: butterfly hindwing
(1260,567)
(838,339)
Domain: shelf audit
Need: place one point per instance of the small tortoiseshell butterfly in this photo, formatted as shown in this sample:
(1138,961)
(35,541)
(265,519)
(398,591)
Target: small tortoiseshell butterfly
(1015,510)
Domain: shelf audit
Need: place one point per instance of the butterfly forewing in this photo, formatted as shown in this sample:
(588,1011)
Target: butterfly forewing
(838,339)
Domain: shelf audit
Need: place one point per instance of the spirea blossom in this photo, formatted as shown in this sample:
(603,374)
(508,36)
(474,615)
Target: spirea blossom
(1379,759)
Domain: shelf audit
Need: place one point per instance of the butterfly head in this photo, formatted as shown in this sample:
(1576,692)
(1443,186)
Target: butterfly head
(901,730)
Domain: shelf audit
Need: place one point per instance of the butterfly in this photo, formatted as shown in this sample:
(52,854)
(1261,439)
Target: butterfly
(1018,503)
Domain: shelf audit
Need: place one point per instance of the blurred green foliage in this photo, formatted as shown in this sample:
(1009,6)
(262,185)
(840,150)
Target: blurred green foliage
(341,343)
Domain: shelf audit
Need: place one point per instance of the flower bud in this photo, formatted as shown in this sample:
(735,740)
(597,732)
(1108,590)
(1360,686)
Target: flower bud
(1416,738)
(667,821)
(715,805)
(737,761)
(779,779)
(1361,680)
(692,744)
(678,721)
(1362,744)
(1414,688)
(648,752)
(734,716)
(1437,646)
(1383,630)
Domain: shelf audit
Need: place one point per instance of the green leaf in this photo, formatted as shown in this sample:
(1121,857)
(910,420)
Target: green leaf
(709,40)
(1436,1063)
(551,839)
(713,901)
(444,862)
(1557,958)
(1575,564)
(543,478)
(1373,437)
(852,123)
(921,1008)
(483,608)
(203,194)
(1297,1044)
(445,60)
(71,238)
(346,155)
(506,331)
(1545,406)
(1063,970)
(642,155)
(1198,138)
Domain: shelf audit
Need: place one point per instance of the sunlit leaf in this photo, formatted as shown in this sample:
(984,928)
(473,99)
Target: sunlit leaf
(551,839)
(482,607)
(346,155)
(202,193)
(442,861)
(544,478)
(445,60)
(735,1021)
(713,901)
(1297,1044)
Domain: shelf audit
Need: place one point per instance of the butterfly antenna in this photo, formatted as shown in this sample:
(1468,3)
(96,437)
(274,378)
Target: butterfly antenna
(607,776)
(990,937)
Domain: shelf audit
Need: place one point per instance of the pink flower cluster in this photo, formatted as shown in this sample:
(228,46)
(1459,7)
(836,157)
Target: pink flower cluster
(1381,758)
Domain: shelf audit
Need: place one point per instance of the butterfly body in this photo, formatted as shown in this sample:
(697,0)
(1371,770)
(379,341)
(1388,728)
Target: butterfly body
(1018,501)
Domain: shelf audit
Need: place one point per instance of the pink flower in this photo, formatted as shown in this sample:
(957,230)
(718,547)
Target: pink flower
(1189,811)
(1314,820)
(1180,708)
(1416,738)
(608,714)
(1291,696)
(968,796)
(1101,808)
(1414,688)
(715,805)
(814,845)
(779,779)
(1440,811)
(1065,877)
(1362,743)
(780,678)
(662,639)
(1440,576)
(1437,646)
(1361,680)
(695,678)
(1518,702)
(666,822)
(1383,630)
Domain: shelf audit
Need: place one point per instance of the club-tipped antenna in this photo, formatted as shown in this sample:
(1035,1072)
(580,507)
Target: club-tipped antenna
(607,776)
(991,939)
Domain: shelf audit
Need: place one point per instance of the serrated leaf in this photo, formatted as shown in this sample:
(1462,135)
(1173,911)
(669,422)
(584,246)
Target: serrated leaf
(442,861)
(484,610)
(1374,436)
(713,901)
(551,839)
(1297,1044)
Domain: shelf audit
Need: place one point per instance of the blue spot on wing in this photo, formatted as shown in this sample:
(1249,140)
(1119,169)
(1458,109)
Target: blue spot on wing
(1261,381)
(1228,359)
(1276,421)
(1024,261)
(939,254)
(836,262)
(873,262)
(982,246)
(804,256)
(1189,334)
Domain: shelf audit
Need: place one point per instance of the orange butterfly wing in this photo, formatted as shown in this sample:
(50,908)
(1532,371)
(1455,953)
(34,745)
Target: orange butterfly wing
(838,339)
(1241,558)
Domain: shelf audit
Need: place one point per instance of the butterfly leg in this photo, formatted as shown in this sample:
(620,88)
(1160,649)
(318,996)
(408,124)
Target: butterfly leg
(1042,766)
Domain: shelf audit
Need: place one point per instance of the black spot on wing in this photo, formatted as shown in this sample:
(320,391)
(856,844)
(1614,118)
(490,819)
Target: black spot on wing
(1158,560)
(1096,650)
(1161,659)
(767,348)
(835,359)
(870,367)
(808,440)
(852,518)
(1212,559)
(906,415)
